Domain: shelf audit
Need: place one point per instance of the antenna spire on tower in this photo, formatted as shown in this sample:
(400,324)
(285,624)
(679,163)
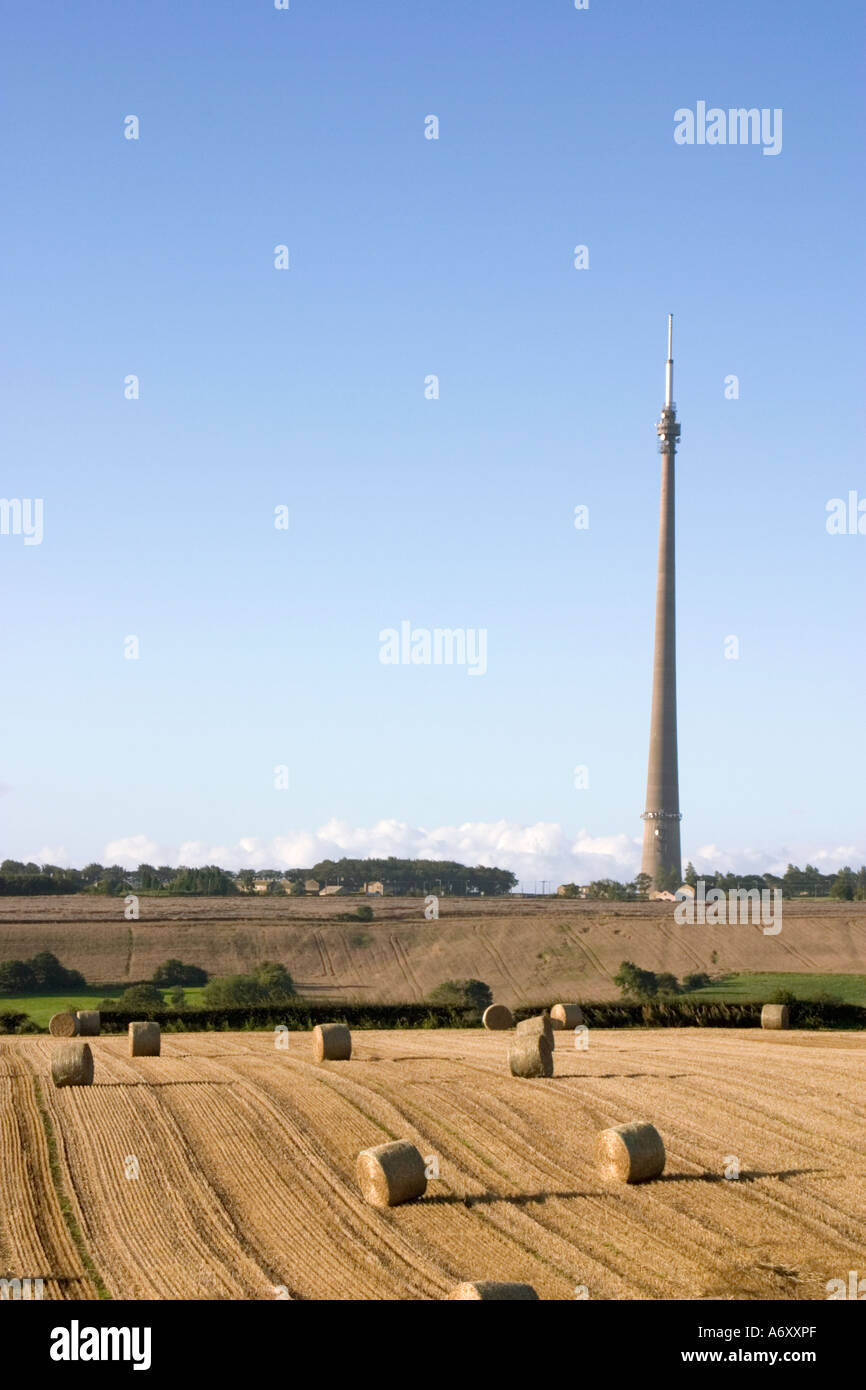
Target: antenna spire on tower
(669,374)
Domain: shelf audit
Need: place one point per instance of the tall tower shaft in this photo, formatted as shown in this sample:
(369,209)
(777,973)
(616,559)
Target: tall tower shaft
(662,858)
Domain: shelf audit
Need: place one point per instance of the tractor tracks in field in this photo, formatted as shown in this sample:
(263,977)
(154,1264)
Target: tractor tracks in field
(327,963)
(401,956)
(800,956)
(130,951)
(670,935)
(499,961)
(587,952)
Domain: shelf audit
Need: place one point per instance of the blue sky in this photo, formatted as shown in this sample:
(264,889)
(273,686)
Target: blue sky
(410,257)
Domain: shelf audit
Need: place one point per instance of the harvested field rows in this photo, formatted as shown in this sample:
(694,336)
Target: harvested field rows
(245,1159)
(35,1241)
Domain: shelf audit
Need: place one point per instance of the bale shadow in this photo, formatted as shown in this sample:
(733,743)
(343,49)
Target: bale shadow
(638,1075)
(520,1199)
(415,1057)
(123,1085)
(523,1199)
(753,1175)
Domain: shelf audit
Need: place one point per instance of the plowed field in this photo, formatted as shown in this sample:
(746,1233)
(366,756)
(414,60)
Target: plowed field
(244,1155)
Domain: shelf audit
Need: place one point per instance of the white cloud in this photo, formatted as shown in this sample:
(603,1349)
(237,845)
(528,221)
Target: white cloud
(52,854)
(543,852)
(132,851)
(776,860)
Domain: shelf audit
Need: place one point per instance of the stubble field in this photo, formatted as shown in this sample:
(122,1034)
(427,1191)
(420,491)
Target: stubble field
(245,1159)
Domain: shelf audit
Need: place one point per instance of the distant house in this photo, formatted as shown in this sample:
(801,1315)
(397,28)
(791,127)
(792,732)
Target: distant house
(685,890)
(311,885)
(263,885)
(375,889)
(663,897)
(331,890)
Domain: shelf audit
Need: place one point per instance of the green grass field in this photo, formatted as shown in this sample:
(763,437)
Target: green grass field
(40,1007)
(759,988)
(734,989)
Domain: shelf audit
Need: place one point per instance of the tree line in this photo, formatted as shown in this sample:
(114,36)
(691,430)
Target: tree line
(845,885)
(405,877)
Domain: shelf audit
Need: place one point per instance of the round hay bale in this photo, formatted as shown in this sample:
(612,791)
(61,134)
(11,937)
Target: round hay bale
(89,1023)
(531,1055)
(332,1042)
(486,1291)
(63,1026)
(539,1024)
(566,1016)
(391,1174)
(144,1039)
(775,1016)
(72,1064)
(497,1016)
(630,1153)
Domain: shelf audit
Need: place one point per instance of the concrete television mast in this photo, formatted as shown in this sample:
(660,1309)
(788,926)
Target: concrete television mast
(662,856)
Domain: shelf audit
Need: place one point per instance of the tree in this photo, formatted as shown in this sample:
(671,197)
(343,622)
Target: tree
(667,881)
(462,994)
(113,881)
(175,972)
(297,889)
(274,886)
(42,973)
(247,880)
(642,885)
(148,878)
(16,977)
(667,983)
(413,875)
(635,983)
(210,881)
(793,881)
(608,889)
(274,979)
(844,885)
(269,983)
(697,980)
(691,877)
(176,997)
(50,974)
(233,991)
(860,890)
(143,996)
